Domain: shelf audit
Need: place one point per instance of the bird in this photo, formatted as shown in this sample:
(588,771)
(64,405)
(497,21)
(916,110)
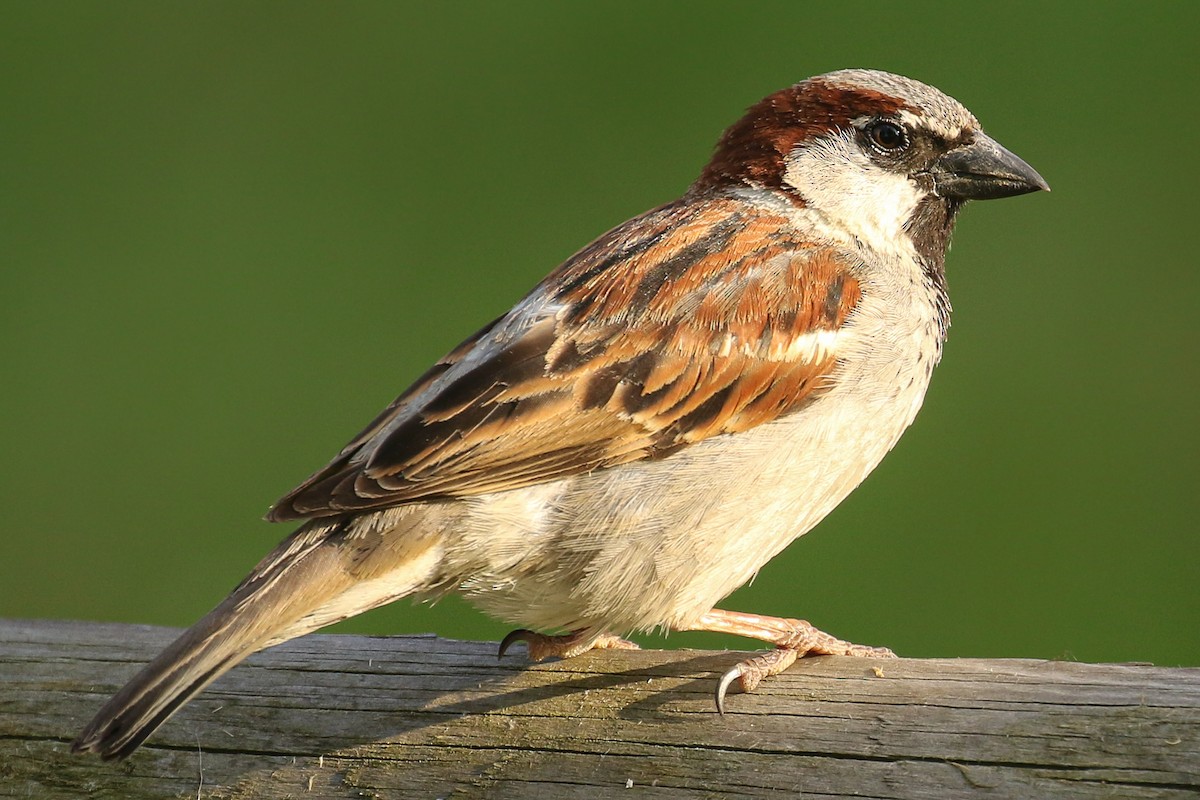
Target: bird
(660,416)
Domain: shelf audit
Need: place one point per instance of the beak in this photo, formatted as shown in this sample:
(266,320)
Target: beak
(983,170)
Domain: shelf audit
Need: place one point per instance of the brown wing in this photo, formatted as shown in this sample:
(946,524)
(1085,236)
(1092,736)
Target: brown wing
(696,319)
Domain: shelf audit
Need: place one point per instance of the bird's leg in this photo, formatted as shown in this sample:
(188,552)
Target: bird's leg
(567,645)
(793,638)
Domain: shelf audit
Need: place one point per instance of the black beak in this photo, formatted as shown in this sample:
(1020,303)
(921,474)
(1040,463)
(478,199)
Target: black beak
(983,170)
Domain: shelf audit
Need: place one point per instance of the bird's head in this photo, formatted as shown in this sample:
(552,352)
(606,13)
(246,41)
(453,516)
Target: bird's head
(877,157)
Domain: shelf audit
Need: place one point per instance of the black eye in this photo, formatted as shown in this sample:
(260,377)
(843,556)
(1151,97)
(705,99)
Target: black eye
(888,136)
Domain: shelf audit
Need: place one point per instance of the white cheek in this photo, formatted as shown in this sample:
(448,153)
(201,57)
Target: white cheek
(853,195)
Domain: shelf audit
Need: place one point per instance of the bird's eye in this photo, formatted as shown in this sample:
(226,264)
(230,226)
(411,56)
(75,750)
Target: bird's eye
(888,136)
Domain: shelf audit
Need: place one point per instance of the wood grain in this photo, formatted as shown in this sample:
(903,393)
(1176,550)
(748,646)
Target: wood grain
(423,717)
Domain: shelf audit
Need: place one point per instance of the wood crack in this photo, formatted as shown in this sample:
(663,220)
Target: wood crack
(442,718)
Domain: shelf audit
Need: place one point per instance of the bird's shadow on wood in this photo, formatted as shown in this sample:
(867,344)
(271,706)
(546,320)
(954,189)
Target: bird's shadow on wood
(392,704)
(665,687)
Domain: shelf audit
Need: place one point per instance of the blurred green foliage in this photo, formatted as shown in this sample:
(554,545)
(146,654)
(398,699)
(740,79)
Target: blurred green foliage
(232,232)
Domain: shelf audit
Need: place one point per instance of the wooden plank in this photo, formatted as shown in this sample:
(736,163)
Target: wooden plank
(354,716)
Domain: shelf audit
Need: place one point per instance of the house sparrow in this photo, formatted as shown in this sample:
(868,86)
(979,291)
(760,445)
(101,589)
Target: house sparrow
(659,417)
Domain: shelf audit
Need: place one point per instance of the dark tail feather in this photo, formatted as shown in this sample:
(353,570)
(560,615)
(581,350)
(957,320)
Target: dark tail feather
(275,603)
(324,572)
(197,658)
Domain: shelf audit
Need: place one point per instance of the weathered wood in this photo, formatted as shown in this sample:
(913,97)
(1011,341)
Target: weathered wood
(355,716)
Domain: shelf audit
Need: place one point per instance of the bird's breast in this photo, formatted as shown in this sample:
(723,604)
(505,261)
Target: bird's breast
(659,542)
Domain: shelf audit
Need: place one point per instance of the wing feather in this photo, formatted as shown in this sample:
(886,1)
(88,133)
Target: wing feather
(697,319)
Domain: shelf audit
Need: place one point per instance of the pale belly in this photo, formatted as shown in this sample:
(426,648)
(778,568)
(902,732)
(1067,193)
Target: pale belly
(658,544)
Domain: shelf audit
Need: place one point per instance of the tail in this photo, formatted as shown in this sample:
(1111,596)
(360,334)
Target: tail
(324,572)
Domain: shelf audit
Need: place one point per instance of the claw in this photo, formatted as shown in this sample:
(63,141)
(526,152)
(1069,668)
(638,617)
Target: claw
(723,686)
(519,635)
(567,645)
(751,672)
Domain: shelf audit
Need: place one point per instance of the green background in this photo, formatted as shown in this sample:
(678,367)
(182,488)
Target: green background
(232,232)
